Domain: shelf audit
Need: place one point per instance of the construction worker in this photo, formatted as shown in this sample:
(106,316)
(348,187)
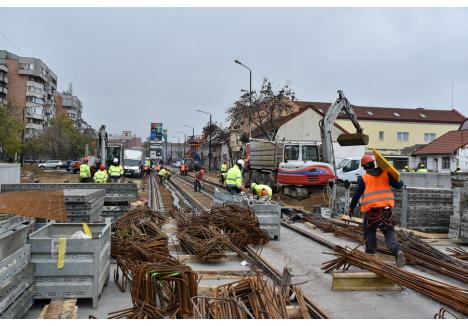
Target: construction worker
(224,169)
(85,172)
(101,175)
(198,179)
(168,174)
(263,191)
(421,168)
(406,169)
(147,167)
(458,169)
(162,174)
(377,201)
(115,171)
(158,167)
(234,178)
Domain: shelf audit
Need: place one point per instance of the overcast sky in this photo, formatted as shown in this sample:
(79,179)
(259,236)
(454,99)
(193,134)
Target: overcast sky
(130,67)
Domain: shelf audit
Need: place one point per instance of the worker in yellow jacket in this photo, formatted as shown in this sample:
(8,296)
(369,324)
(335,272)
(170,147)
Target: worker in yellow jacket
(162,174)
(101,176)
(234,178)
(85,171)
(263,191)
(223,172)
(116,171)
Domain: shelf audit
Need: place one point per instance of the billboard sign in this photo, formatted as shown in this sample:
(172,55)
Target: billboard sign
(126,135)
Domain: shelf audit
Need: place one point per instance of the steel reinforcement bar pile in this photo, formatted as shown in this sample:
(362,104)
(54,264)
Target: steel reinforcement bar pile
(415,249)
(458,253)
(447,294)
(161,286)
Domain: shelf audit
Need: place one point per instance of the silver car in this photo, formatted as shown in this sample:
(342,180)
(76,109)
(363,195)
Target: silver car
(51,164)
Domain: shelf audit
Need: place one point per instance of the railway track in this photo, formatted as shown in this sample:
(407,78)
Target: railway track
(199,202)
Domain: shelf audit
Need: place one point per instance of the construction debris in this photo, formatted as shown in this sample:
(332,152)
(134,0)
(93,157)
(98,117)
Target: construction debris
(60,309)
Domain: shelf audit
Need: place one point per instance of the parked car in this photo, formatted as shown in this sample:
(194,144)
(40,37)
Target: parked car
(51,164)
(67,165)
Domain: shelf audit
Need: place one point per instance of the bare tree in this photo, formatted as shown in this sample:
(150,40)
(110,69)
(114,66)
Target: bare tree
(267,106)
(220,133)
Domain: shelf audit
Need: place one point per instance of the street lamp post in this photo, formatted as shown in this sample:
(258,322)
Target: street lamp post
(250,95)
(209,144)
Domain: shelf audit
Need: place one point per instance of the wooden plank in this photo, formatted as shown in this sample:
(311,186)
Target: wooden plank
(420,234)
(60,309)
(310,225)
(362,281)
(302,303)
(294,312)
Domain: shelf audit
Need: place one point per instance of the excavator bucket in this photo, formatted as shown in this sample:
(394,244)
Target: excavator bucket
(353,139)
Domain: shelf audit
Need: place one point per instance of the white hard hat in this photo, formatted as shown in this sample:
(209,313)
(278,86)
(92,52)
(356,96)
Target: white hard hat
(116,160)
(241,162)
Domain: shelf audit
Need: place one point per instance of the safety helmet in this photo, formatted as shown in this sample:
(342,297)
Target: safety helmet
(241,162)
(102,167)
(366,159)
(406,167)
(253,185)
(421,165)
(116,160)
(85,159)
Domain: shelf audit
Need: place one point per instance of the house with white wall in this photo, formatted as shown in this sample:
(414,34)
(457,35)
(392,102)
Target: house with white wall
(445,153)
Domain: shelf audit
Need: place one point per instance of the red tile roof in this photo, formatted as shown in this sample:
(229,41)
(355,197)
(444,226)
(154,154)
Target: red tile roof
(395,114)
(445,144)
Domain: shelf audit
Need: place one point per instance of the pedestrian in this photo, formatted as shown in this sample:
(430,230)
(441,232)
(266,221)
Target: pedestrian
(116,171)
(101,175)
(85,172)
(199,179)
(262,191)
(377,201)
(234,178)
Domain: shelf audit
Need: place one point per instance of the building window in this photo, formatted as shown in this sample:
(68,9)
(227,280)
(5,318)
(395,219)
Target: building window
(402,136)
(429,136)
(381,135)
(423,160)
(446,162)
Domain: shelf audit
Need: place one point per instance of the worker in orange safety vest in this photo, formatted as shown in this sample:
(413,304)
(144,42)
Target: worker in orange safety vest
(374,189)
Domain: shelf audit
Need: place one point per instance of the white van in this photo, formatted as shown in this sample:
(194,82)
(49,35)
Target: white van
(349,169)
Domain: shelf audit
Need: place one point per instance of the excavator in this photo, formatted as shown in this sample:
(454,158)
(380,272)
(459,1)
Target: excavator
(343,106)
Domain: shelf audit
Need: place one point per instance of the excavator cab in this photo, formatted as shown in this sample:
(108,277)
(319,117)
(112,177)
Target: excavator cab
(353,139)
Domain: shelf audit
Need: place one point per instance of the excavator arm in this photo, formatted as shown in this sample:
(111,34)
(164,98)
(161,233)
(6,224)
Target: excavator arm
(341,105)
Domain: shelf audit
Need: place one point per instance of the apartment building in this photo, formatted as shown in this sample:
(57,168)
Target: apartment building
(69,105)
(31,86)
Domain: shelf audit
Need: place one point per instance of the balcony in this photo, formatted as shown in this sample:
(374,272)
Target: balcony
(4,90)
(34,126)
(33,115)
(3,67)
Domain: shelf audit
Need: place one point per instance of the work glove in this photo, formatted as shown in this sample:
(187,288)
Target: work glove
(350,212)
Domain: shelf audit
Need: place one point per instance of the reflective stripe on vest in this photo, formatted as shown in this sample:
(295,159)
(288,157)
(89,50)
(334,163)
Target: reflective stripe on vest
(377,192)
(234,176)
(100,177)
(84,171)
(115,171)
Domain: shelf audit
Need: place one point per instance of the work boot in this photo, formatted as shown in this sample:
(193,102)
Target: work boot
(400,259)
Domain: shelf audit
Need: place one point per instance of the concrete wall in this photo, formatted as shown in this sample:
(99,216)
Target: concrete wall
(9,173)
(390,129)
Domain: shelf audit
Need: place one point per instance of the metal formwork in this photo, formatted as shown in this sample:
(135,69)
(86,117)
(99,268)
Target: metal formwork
(13,264)
(15,286)
(18,308)
(268,215)
(82,195)
(87,261)
(13,239)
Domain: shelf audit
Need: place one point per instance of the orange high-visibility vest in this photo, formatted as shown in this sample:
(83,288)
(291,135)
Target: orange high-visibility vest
(378,192)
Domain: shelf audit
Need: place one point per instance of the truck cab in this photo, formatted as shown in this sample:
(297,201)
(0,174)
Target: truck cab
(301,165)
(349,169)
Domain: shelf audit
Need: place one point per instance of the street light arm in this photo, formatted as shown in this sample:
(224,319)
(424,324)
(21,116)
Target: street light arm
(243,65)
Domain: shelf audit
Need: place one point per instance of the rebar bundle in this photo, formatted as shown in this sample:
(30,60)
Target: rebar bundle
(250,298)
(414,248)
(239,223)
(458,253)
(452,296)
